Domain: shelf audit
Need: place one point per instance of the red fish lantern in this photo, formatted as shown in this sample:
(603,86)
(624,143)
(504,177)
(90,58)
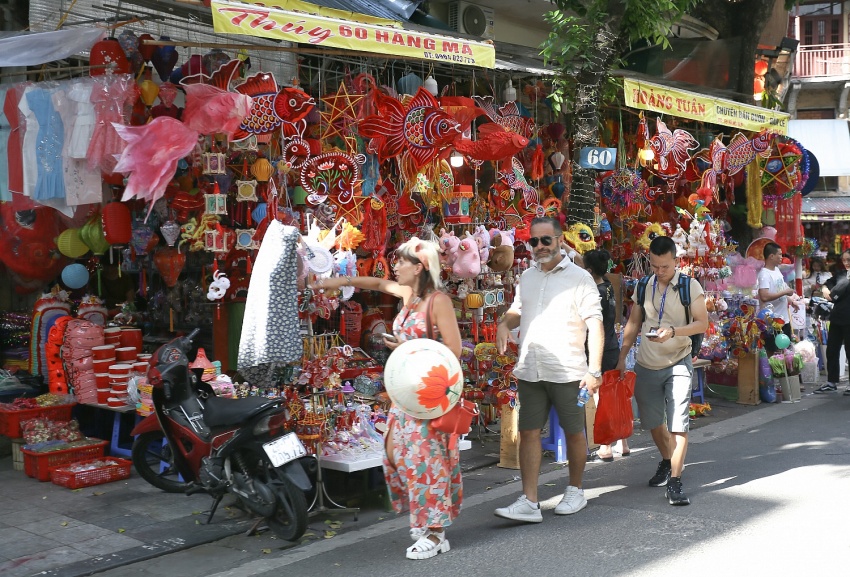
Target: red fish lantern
(169,262)
(117,227)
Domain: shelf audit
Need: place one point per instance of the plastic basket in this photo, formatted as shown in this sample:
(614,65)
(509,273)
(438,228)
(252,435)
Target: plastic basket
(65,477)
(38,465)
(10,421)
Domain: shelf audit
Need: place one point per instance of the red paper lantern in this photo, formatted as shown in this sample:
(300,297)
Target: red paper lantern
(107,57)
(117,227)
(169,262)
(761,67)
(146,50)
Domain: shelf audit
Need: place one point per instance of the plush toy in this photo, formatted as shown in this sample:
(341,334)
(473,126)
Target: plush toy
(502,253)
(449,244)
(482,239)
(467,264)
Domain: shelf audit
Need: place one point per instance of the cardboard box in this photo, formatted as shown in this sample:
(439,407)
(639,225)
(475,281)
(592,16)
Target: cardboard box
(589,419)
(509,439)
(748,379)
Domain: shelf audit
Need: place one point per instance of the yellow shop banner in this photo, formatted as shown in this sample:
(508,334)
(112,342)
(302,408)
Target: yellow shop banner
(361,33)
(684,104)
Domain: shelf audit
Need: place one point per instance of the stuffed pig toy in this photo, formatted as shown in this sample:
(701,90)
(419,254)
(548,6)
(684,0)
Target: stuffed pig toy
(482,239)
(502,253)
(449,245)
(467,264)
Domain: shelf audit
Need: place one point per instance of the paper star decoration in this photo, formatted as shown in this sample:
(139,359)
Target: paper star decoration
(340,112)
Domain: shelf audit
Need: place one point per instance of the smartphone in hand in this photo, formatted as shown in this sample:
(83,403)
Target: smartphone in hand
(390,337)
(652,333)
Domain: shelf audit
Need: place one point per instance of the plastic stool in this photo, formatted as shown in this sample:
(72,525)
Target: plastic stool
(699,390)
(556,441)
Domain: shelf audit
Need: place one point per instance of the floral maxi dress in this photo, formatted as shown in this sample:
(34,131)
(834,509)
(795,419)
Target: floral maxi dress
(427,477)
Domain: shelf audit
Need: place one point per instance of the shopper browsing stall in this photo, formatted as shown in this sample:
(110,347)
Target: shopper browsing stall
(837,290)
(421,470)
(663,365)
(774,291)
(557,309)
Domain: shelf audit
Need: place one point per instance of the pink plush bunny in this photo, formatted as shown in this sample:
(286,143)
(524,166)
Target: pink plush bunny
(449,245)
(468,263)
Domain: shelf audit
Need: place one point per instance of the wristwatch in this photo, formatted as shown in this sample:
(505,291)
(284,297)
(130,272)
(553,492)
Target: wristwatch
(595,374)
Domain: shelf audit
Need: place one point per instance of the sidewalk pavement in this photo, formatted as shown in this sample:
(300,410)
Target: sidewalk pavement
(46,529)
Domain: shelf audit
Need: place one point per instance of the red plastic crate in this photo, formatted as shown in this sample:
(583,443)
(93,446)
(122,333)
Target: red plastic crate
(39,465)
(10,421)
(78,479)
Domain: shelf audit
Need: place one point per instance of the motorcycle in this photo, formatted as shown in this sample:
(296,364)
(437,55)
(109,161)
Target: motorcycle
(198,442)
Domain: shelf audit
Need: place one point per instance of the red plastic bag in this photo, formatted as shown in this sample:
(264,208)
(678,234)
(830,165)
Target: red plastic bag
(614,417)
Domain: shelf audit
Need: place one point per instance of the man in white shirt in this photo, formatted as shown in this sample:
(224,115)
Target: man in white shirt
(774,291)
(557,310)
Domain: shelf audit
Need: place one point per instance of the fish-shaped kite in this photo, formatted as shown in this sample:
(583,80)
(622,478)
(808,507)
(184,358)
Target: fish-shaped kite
(420,129)
(271,107)
(508,116)
(494,142)
(671,149)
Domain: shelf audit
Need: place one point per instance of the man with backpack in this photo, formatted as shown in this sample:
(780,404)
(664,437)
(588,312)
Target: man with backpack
(669,309)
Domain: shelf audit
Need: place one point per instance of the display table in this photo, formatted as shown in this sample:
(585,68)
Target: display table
(351,466)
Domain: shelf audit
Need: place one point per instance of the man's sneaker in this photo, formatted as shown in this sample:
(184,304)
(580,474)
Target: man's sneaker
(572,502)
(662,475)
(521,510)
(826,388)
(675,495)
(846,392)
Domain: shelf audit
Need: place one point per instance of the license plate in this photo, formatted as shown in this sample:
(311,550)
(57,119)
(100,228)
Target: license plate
(284,449)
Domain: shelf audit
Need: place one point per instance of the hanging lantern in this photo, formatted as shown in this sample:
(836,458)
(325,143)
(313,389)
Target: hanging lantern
(245,145)
(215,203)
(148,90)
(170,232)
(107,57)
(214,163)
(143,239)
(92,235)
(218,240)
(146,50)
(262,169)
(169,262)
(246,190)
(258,215)
(70,244)
(245,239)
(117,228)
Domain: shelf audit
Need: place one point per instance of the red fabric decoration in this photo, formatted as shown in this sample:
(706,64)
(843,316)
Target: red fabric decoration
(537,163)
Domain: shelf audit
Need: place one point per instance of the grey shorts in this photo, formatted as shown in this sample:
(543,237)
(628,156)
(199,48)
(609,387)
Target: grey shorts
(536,399)
(665,395)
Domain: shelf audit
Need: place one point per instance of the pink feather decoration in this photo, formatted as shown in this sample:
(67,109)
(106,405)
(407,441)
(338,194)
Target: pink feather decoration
(151,155)
(210,109)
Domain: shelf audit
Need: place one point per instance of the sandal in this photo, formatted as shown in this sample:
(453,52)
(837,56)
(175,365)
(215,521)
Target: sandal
(416,533)
(594,456)
(425,547)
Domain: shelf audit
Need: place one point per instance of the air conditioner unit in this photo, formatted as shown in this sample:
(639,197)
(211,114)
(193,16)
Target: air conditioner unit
(472,19)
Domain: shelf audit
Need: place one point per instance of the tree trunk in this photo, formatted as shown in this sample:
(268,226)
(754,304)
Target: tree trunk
(586,120)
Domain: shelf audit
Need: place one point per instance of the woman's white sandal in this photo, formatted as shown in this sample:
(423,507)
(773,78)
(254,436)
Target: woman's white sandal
(417,533)
(425,548)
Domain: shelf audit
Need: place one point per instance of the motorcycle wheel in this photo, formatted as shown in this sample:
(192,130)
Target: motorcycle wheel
(153,460)
(290,519)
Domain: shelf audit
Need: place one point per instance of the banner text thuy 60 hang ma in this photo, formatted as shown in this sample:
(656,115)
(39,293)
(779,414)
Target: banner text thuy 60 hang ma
(684,104)
(268,22)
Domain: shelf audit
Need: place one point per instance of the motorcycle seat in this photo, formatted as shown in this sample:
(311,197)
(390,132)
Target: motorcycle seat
(220,412)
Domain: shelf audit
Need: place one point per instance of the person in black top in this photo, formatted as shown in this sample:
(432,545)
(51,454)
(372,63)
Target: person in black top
(596,262)
(837,290)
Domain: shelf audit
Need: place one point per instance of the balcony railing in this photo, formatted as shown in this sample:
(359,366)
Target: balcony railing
(823,60)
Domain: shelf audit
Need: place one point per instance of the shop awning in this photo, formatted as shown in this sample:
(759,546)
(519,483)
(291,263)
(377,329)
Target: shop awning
(829,208)
(828,140)
(327,28)
(685,104)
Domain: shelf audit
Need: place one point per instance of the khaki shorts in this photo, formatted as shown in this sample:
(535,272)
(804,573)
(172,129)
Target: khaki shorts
(536,399)
(664,396)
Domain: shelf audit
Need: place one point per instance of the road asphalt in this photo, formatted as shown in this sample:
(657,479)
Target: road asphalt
(767,486)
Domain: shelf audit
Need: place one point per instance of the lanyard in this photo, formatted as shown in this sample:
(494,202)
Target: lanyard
(663,298)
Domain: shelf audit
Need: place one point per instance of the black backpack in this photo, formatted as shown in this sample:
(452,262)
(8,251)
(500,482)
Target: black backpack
(684,288)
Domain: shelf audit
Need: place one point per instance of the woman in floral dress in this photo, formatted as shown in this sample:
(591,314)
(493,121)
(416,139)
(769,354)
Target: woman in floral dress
(421,470)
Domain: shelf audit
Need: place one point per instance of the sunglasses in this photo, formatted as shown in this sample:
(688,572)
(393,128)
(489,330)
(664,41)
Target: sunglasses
(545,240)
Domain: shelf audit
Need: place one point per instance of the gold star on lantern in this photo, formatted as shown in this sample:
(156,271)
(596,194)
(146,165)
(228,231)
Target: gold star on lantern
(340,112)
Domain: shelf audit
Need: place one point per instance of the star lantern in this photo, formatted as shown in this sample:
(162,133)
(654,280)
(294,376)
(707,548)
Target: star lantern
(340,112)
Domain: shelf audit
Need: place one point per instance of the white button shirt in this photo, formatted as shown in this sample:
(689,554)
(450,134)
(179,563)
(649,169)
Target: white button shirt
(554,307)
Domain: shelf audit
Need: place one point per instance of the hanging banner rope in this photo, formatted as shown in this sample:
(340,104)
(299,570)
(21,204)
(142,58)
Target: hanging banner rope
(684,104)
(317,29)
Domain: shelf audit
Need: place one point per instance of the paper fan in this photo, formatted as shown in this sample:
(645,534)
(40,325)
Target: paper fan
(347,292)
(320,259)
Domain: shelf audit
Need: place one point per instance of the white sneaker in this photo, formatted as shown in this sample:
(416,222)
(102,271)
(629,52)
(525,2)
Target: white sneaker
(573,502)
(521,510)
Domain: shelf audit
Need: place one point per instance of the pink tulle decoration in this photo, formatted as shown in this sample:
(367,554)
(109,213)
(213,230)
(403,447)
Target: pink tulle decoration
(768,232)
(151,155)
(209,109)
(744,271)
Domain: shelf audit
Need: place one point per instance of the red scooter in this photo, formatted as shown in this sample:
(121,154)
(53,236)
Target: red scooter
(198,442)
